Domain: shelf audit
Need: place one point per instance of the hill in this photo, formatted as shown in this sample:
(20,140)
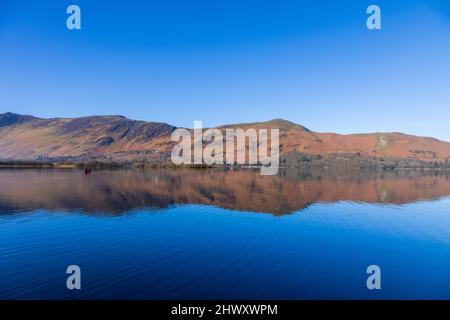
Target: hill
(116,138)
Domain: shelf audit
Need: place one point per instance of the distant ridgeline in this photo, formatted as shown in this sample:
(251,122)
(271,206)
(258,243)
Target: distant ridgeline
(118,141)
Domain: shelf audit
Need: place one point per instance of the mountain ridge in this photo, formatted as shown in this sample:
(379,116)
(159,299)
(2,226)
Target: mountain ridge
(117,138)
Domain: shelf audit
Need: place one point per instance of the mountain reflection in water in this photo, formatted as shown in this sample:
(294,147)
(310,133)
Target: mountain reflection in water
(116,192)
(201,234)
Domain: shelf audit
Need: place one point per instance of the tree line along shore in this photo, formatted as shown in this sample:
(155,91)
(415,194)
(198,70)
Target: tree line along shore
(290,160)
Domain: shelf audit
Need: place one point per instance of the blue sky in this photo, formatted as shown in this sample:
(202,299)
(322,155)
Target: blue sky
(311,62)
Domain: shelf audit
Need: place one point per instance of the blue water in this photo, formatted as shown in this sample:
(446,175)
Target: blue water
(196,251)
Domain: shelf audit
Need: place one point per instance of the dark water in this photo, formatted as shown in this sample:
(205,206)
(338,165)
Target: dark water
(189,234)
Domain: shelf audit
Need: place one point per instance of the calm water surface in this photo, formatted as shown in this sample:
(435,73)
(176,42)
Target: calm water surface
(209,234)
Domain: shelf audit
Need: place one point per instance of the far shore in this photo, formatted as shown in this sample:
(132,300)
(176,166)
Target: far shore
(168,165)
(91,164)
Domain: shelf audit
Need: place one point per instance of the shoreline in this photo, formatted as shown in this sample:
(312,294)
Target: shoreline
(113,165)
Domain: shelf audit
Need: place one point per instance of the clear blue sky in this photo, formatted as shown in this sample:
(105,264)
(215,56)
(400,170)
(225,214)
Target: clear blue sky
(312,62)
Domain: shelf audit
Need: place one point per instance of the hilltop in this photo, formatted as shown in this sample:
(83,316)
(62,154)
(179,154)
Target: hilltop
(116,138)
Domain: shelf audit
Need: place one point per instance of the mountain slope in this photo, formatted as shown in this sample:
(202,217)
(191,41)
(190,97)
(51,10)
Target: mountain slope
(296,138)
(30,138)
(118,138)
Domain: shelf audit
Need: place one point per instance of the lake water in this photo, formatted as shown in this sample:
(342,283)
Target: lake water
(211,234)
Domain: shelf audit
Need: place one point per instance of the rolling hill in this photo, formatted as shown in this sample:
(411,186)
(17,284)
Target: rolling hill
(117,138)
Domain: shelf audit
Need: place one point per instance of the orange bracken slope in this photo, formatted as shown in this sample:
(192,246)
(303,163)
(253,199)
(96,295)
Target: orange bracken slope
(30,138)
